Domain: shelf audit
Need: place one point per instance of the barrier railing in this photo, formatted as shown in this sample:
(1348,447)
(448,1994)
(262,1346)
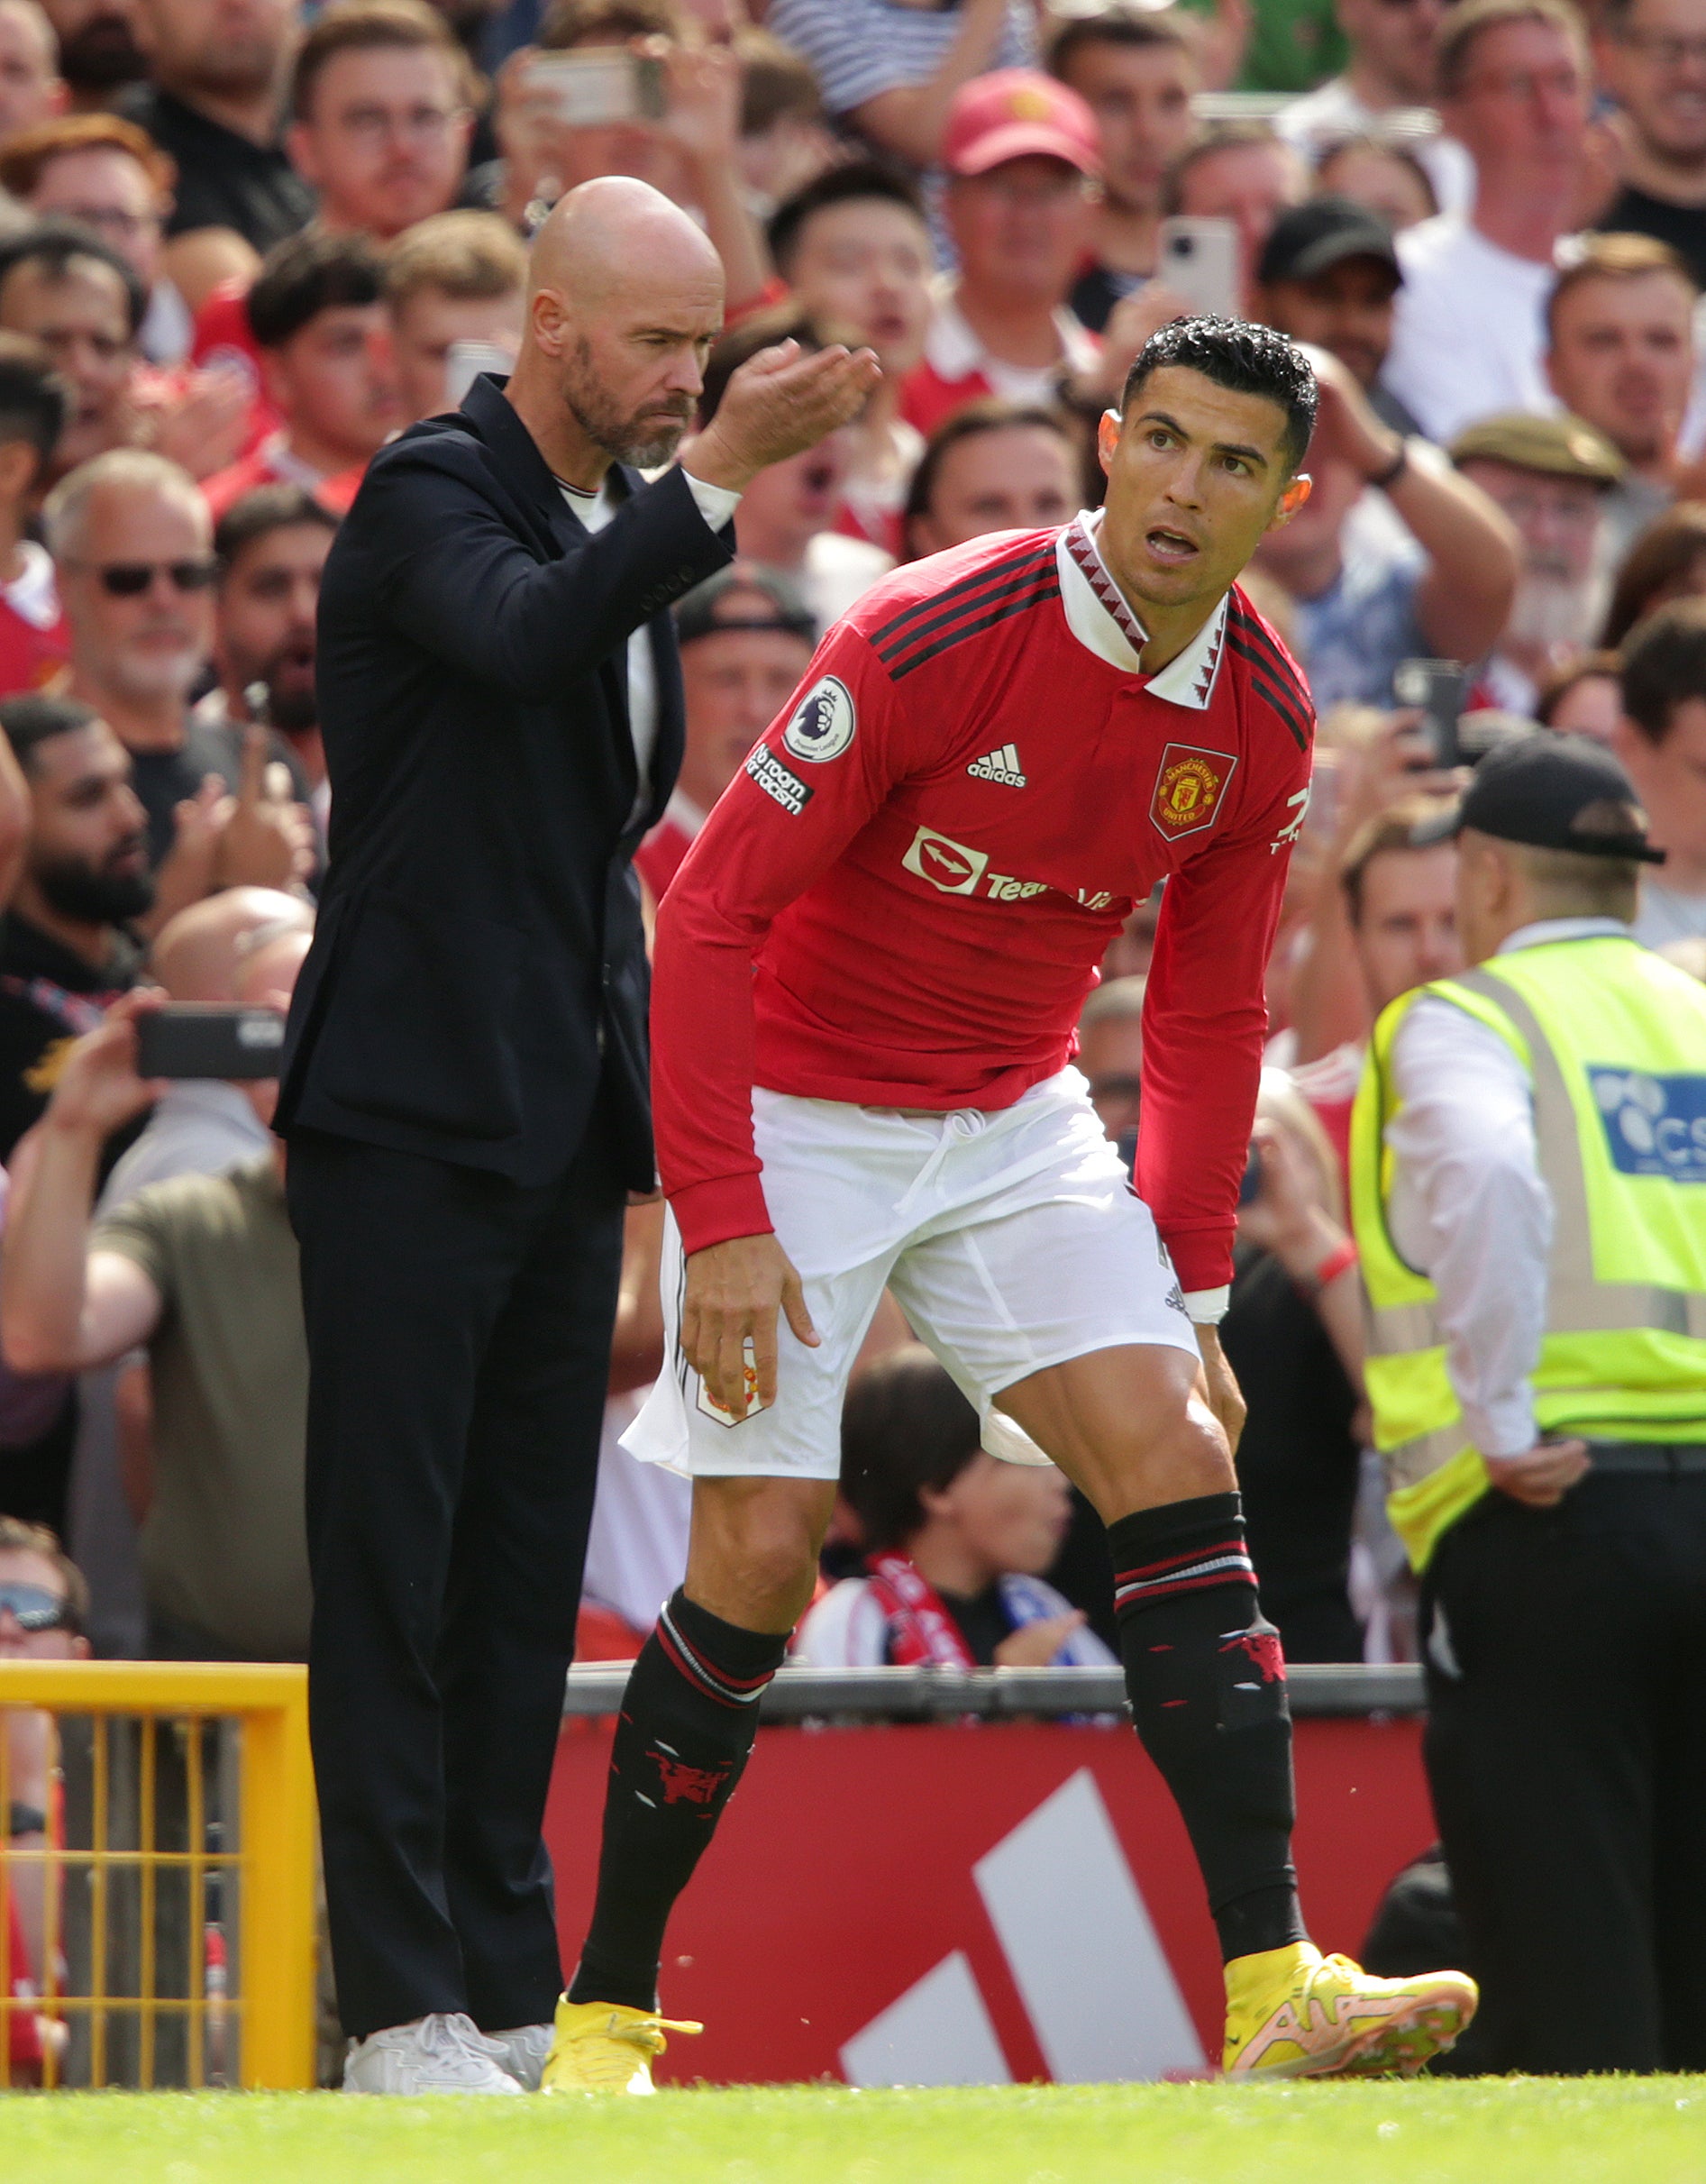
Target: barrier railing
(175,1884)
(932,1694)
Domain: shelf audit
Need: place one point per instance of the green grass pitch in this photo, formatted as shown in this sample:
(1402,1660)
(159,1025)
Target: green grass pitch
(1608,2131)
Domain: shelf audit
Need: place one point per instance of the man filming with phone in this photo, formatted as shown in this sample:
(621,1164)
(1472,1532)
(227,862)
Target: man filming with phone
(202,1270)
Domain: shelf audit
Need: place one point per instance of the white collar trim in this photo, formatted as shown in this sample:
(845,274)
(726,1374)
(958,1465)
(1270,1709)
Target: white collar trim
(953,351)
(1099,617)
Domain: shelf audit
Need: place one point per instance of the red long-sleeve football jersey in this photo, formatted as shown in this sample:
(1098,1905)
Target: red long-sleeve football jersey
(903,900)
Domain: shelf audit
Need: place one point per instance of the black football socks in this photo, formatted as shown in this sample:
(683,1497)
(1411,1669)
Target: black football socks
(683,1737)
(1207,1682)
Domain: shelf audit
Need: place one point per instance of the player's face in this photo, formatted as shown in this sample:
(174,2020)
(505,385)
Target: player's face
(1196,475)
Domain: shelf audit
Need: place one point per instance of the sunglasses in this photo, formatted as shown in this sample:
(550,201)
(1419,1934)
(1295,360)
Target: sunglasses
(33,1608)
(130,580)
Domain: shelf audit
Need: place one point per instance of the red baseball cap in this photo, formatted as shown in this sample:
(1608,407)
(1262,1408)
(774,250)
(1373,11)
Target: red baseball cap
(1017,114)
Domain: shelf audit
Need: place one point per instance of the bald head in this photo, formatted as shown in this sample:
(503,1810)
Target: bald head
(615,235)
(625,299)
(205,953)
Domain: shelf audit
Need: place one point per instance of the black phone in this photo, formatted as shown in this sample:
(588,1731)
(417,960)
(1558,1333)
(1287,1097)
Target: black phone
(1438,688)
(203,1039)
(1250,1183)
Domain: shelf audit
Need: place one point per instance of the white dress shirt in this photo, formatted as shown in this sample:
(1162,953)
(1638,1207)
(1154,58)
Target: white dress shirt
(717,504)
(1470,1208)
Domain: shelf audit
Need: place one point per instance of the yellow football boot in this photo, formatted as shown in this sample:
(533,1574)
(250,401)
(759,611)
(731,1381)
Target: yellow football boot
(1293,2013)
(605,2047)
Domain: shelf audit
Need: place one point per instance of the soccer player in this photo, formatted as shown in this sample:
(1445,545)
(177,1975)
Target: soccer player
(868,973)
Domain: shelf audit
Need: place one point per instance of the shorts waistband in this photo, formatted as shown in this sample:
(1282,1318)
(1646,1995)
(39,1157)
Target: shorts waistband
(1655,1459)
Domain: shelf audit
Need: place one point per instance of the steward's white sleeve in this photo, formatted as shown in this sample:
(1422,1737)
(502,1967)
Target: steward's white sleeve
(716,503)
(1471,1210)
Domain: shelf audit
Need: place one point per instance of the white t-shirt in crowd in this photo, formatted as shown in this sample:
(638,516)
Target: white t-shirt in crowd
(1468,329)
(1325,117)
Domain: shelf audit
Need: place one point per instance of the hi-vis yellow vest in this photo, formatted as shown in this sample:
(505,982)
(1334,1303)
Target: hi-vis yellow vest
(1614,1039)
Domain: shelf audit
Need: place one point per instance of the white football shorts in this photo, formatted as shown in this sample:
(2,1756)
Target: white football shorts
(1011,1241)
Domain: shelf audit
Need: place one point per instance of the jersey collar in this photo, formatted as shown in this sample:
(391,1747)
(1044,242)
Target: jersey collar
(1099,617)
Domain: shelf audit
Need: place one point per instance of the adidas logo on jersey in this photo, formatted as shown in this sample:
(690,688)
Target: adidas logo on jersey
(1002,765)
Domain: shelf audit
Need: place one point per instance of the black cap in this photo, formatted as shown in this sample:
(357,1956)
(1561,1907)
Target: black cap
(700,614)
(1326,231)
(1535,788)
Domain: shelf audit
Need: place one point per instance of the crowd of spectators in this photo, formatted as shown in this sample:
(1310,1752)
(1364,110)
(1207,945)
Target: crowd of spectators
(244,243)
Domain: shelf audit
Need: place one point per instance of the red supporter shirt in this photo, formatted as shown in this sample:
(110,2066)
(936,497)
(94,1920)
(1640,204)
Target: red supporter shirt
(659,856)
(902,900)
(272,464)
(35,642)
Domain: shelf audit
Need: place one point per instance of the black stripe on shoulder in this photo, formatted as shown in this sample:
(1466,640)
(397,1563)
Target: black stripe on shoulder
(1042,588)
(1284,669)
(898,650)
(965,591)
(1300,724)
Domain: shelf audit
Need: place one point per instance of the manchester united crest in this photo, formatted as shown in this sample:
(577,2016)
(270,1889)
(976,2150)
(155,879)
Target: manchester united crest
(1189,788)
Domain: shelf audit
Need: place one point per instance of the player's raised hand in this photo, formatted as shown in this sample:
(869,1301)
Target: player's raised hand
(777,405)
(734,1291)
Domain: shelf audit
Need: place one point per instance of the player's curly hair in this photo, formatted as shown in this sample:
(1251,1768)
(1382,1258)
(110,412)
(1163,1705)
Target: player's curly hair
(1245,359)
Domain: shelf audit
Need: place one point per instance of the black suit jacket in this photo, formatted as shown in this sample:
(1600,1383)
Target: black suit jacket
(478,962)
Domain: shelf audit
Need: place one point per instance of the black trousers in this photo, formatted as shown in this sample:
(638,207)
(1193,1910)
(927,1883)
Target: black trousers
(1567,1760)
(459,1334)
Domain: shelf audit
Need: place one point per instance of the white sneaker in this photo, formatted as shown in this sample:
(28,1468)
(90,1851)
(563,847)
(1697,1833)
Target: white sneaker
(442,2053)
(522,2051)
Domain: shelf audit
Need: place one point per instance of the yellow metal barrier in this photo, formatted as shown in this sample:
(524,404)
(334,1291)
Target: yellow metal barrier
(265,1859)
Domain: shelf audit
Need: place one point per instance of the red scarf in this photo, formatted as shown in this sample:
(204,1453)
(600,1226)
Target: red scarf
(920,1627)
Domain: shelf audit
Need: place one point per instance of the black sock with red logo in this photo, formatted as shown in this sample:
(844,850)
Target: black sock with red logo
(1207,1682)
(684,1735)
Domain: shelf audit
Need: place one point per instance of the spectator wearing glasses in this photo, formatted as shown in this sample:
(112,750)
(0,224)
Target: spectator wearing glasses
(380,100)
(32,89)
(1469,335)
(1652,59)
(1022,158)
(132,541)
(1620,356)
(217,69)
(318,316)
(1392,67)
(110,177)
(458,277)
